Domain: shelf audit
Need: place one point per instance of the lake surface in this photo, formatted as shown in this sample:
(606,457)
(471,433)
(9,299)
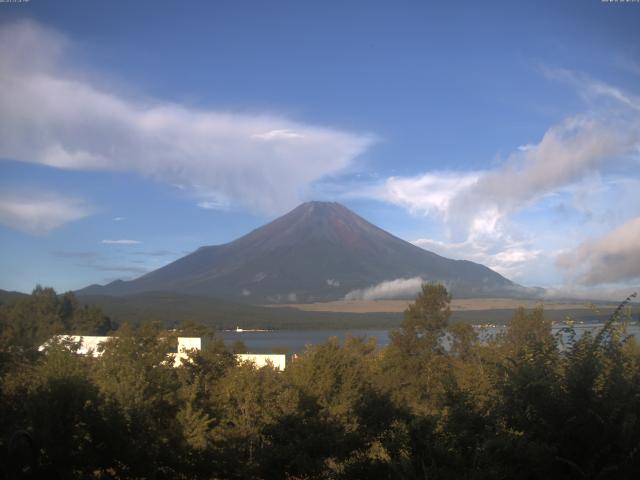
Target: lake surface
(295,341)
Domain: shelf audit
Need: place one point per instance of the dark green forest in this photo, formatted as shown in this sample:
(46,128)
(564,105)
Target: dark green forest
(526,404)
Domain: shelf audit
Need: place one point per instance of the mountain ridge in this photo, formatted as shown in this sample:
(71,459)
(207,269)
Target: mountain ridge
(318,251)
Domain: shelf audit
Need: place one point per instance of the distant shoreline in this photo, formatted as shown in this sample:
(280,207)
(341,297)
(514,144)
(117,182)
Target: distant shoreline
(247,330)
(457,305)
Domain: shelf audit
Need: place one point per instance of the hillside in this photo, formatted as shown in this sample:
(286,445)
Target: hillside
(172,309)
(317,252)
(7,296)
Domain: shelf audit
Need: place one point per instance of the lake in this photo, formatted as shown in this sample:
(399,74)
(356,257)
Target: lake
(295,341)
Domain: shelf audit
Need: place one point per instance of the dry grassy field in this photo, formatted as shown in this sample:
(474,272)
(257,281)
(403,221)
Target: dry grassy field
(457,305)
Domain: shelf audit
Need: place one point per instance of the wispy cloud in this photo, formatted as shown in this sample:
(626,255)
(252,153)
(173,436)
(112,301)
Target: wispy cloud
(156,253)
(479,201)
(118,219)
(136,270)
(430,193)
(476,208)
(69,254)
(110,260)
(121,242)
(212,205)
(616,294)
(53,116)
(39,213)
(505,256)
(398,288)
(277,135)
(567,153)
(590,88)
(613,258)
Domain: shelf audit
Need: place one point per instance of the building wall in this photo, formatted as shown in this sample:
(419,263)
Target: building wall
(186,344)
(277,361)
(90,345)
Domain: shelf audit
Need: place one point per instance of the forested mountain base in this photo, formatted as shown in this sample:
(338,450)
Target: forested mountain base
(524,405)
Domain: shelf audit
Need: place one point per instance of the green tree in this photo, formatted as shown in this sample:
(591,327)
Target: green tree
(136,377)
(415,363)
(425,321)
(29,322)
(248,400)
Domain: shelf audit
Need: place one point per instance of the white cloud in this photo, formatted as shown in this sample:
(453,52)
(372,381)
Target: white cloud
(481,213)
(333,282)
(118,219)
(479,202)
(591,88)
(211,205)
(502,254)
(516,255)
(277,135)
(568,153)
(398,288)
(121,242)
(431,193)
(613,258)
(52,116)
(590,294)
(40,213)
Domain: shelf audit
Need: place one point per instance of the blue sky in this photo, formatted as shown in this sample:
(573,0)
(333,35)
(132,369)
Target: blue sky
(501,132)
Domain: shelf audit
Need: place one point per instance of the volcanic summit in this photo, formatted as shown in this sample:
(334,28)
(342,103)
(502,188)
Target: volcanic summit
(319,251)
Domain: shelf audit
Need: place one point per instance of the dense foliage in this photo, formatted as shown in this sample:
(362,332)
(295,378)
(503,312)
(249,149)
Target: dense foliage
(436,403)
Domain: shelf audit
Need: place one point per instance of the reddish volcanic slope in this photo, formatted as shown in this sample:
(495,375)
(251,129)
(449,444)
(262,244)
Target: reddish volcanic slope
(319,251)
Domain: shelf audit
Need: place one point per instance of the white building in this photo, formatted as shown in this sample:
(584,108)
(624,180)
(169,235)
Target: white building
(88,345)
(185,345)
(94,346)
(277,361)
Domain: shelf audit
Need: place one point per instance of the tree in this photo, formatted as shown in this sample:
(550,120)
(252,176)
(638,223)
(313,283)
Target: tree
(425,321)
(136,378)
(248,399)
(414,364)
(29,322)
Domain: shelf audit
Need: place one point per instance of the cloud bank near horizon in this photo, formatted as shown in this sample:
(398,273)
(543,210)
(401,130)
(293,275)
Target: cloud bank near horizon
(611,259)
(390,289)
